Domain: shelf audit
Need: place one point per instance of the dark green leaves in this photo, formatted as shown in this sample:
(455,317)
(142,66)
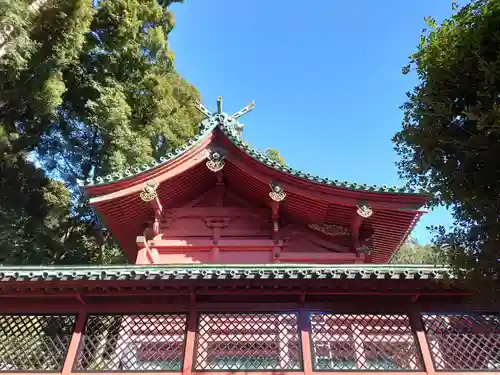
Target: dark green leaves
(450,139)
(87,88)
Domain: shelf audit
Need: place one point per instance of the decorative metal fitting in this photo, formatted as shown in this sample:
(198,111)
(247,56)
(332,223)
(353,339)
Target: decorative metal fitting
(148,192)
(364,211)
(277,193)
(215,161)
(331,229)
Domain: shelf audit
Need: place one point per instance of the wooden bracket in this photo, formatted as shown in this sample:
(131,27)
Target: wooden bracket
(363,211)
(216,224)
(275,215)
(220,188)
(158,210)
(354,228)
(149,195)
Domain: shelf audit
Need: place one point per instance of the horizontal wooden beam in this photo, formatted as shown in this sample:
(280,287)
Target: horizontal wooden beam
(207,244)
(27,306)
(216,212)
(309,257)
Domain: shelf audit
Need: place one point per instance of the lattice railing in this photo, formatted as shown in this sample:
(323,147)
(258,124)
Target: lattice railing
(34,342)
(363,342)
(232,342)
(465,342)
(132,343)
(248,342)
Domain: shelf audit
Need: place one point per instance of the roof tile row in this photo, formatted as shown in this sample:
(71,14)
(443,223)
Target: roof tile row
(230,272)
(228,126)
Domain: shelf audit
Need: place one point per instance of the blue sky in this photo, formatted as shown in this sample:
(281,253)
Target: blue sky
(326,77)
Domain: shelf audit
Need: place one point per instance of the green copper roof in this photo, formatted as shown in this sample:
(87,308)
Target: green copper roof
(226,272)
(231,127)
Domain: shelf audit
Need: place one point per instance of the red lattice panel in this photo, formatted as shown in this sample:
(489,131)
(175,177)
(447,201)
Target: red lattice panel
(463,341)
(34,342)
(347,342)
(132,343)
(248,342)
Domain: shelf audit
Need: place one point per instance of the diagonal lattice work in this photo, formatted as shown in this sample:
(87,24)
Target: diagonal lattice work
(132,343)
(34,342)
(363,342)
(463,341)
(248,342)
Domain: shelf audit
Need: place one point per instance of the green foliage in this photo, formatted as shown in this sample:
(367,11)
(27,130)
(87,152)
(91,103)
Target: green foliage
(274,154)
(412,252)
(450,140)
(28,341)
(87,88)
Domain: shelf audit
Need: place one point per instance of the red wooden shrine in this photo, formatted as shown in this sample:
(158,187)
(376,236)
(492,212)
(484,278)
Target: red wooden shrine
(241,264)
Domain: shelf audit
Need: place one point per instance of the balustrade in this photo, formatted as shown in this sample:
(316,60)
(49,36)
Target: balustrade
(265,342)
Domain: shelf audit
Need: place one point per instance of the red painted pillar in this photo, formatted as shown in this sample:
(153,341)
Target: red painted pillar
(417,326)
(189,353)
(74,343)
(305,340)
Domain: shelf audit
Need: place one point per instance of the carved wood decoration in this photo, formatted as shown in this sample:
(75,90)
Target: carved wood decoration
(277,195)
(149,194)
(215,161)
(359,243)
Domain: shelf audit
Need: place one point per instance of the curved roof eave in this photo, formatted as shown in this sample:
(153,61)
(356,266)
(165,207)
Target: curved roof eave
(206,128)
(228,126)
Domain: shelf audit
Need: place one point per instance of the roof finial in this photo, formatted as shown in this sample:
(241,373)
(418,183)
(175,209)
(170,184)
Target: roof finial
(222,119)
(234,116)
(219,104)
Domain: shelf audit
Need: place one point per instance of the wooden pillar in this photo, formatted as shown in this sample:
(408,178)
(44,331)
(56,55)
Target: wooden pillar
(359,347)
(142,257)
(417,326)
(74,343)
(305,341)
(189,350)
(142,252)
(214,255)
(283,342)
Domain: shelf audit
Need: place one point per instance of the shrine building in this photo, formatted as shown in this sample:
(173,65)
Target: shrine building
(239,264)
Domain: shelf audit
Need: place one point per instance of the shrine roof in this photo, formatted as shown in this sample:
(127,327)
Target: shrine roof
(228,125)
(224,272)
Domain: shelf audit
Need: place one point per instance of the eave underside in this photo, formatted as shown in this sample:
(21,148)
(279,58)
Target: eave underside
(125,293)
(126,216)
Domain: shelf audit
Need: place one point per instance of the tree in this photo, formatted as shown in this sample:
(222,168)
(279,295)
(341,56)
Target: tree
(87,87)
(412,252)
(274,154)
(450,140)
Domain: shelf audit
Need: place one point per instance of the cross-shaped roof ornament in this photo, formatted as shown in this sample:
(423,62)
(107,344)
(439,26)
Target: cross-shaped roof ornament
(234,116)
(223,119)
